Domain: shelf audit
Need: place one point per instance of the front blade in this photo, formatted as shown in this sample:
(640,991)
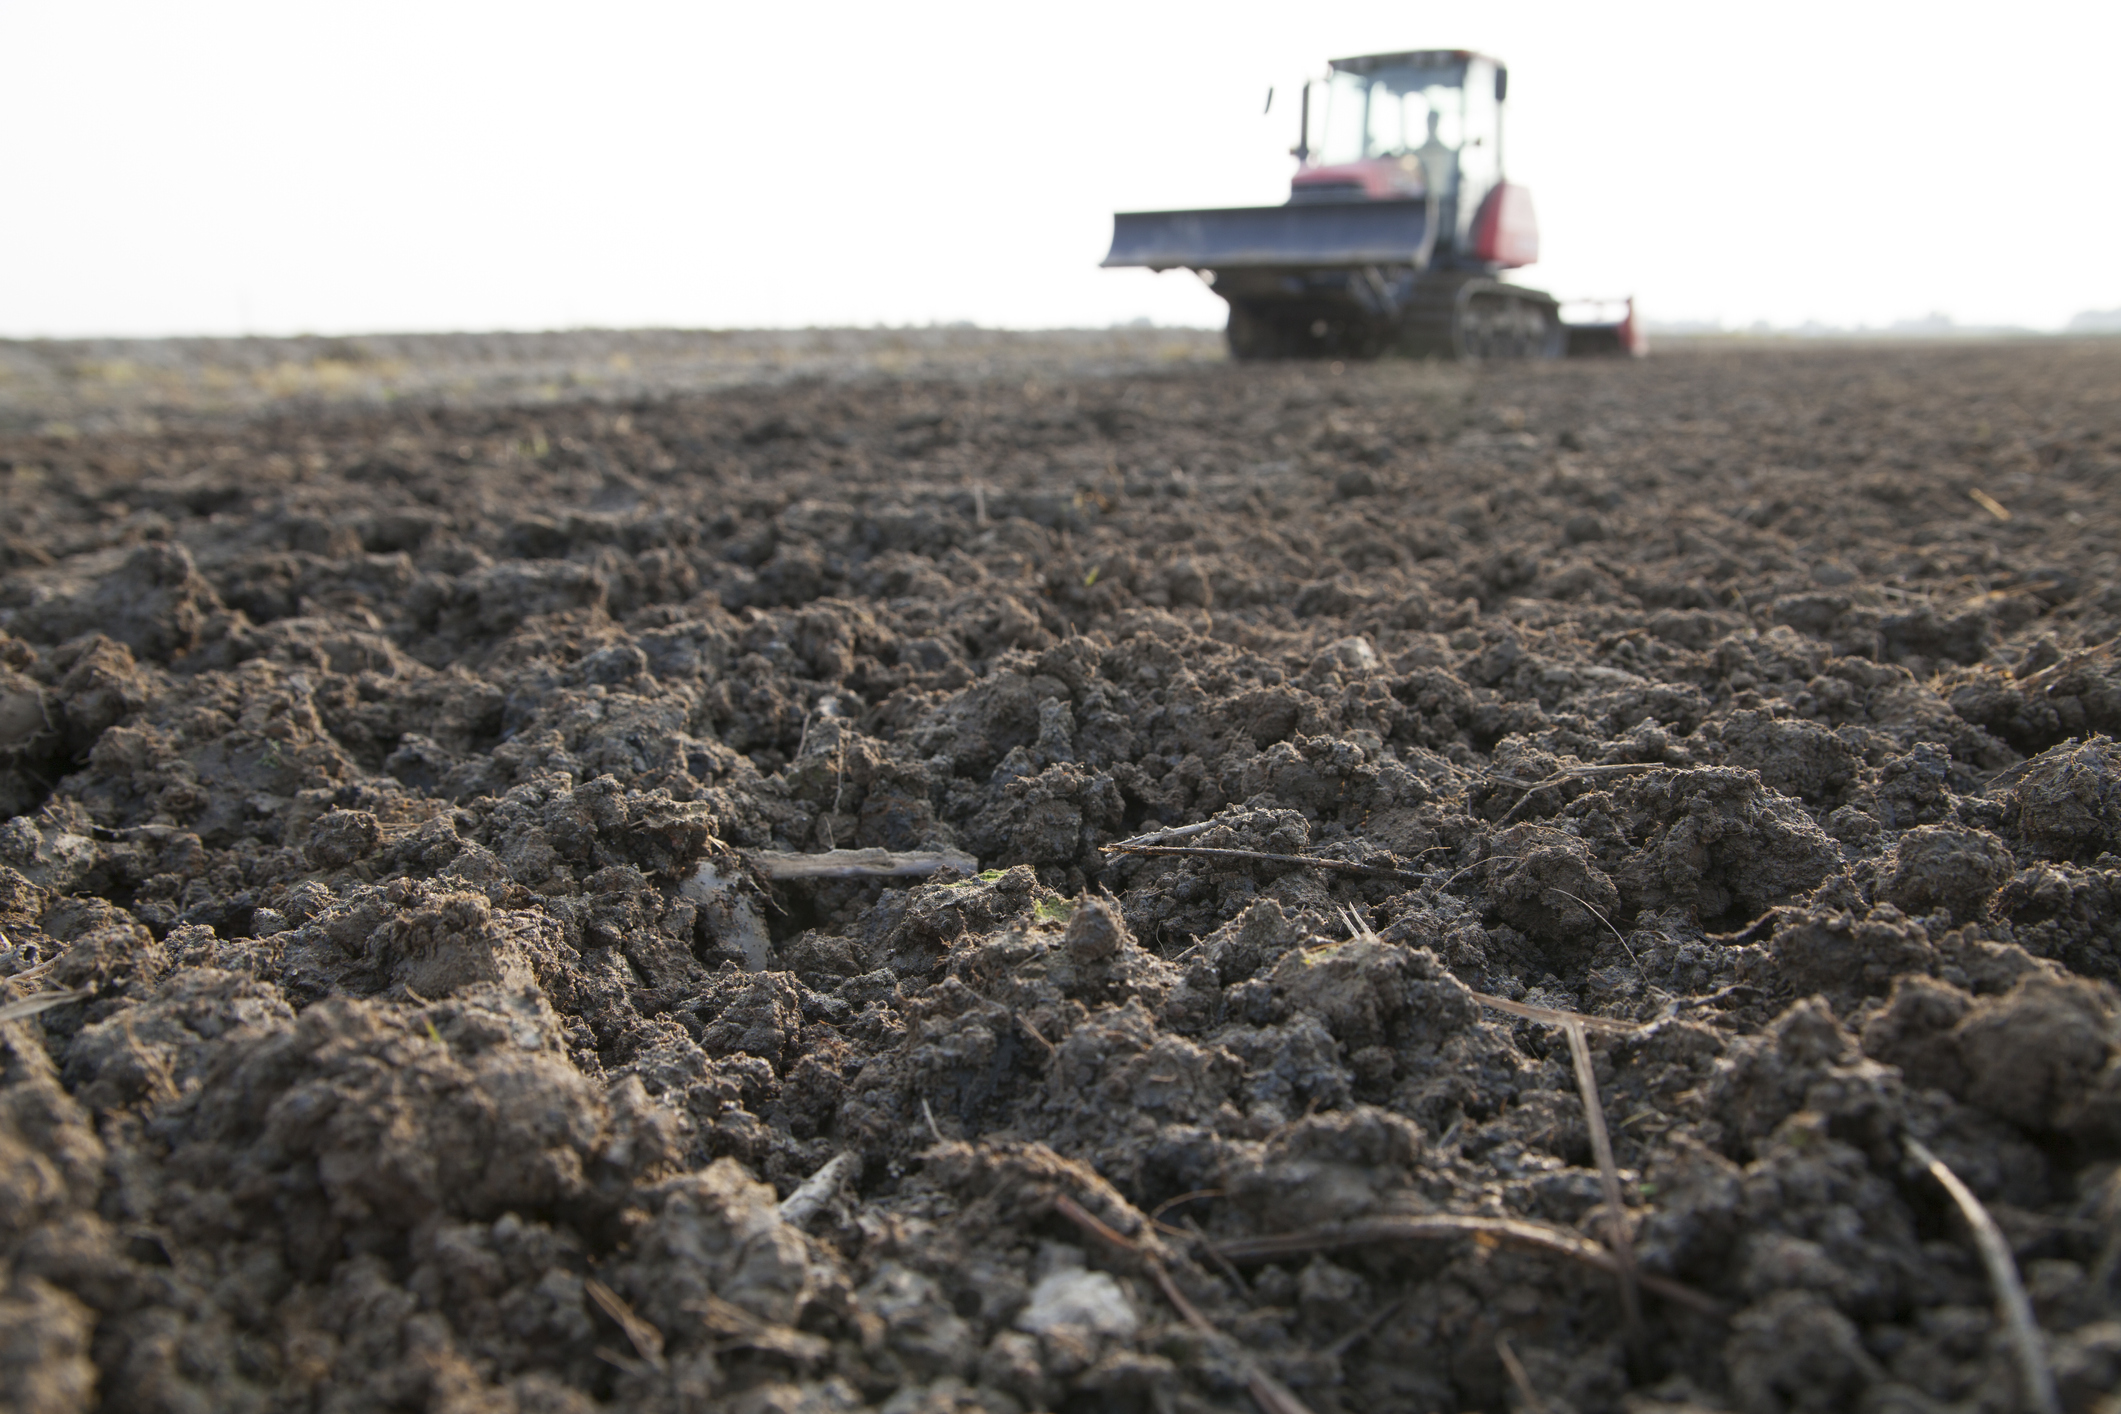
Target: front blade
(1350,233)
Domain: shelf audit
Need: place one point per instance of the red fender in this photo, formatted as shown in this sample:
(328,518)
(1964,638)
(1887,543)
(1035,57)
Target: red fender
(1505,232)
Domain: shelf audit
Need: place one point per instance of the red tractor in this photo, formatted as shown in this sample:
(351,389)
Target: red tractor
(1398,228)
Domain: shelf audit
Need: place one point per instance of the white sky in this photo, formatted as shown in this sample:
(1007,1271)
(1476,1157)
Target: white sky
(225,167)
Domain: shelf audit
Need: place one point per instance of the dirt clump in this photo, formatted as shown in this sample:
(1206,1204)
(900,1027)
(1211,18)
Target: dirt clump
(398,1015)
(2068,801)
(1947,867)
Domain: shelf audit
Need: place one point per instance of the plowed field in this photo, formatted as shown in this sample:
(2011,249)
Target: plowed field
(402,1011)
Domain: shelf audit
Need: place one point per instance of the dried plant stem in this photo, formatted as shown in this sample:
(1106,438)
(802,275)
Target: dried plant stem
(1270,1394)
(1033,1032)
(1615,768)
(1560,778)
(1367,1329)
(1091,1223)
(2075,660)
(1169,1203)
(1608,1176)
(1988,503)
(1596,913)
(858,864)
(1444,1227)
(43,1001)
(1223,1264)
(29,975)
(1519,1375)
(1479,864)
(1620,1260)
(1165,836)
(734,1328)
(1554,1016)
(2011,1301)
(811,1196)
(1345,866)
(1576,1027)
(646,1340)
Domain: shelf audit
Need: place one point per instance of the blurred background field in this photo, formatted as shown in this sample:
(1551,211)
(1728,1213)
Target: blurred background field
(67,387)
(64,386)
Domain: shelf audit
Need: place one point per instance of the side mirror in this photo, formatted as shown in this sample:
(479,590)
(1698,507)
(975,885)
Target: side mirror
(1502,84)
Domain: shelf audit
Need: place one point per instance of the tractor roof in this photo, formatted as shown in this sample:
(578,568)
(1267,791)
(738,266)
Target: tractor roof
(1409,59)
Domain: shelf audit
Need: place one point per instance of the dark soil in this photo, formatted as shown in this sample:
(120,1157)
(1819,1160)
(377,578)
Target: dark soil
(380,776)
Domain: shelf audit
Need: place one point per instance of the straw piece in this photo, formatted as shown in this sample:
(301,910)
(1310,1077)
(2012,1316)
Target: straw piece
(1270,1394)
(1444,1227)
(1165,836)
(858,864)
(43,1001)
(1305,861)
(2011,1301)
(811,1196)
(641,1334)
(1988,503)
(1519,1376)
(1554,1016)
(1609,1178)
(1559,778)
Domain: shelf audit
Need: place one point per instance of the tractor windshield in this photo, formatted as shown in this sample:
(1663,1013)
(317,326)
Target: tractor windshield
(1393,111)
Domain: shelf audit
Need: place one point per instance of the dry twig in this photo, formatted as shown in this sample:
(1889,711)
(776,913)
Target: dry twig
(1359,929)
(1188,1196)
(1165,836)
(2075,660)
(1533,788)
(2012,1303)
(1519,1376)
(1553,1016)
(1608,1176)
(1444,1227)
(1091,1223)
(29,975)
(43,1001)
(1596,913)
(1033,1032)
(814,1192)
(641,1334)
(1345,866)
(734,1328)
(1479,864)
(1223,1264)
(1610,768)
(1363,1332)
(1270,1394)
(1576,1025)
(858,864)
(1988,503)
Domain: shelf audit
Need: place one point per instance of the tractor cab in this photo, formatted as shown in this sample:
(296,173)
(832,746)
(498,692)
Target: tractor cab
(1422,124)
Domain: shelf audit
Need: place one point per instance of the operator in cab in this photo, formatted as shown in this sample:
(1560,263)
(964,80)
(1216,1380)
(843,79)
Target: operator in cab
(1439,160)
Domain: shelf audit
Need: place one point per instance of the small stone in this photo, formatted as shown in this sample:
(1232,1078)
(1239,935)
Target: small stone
(1080,1299)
